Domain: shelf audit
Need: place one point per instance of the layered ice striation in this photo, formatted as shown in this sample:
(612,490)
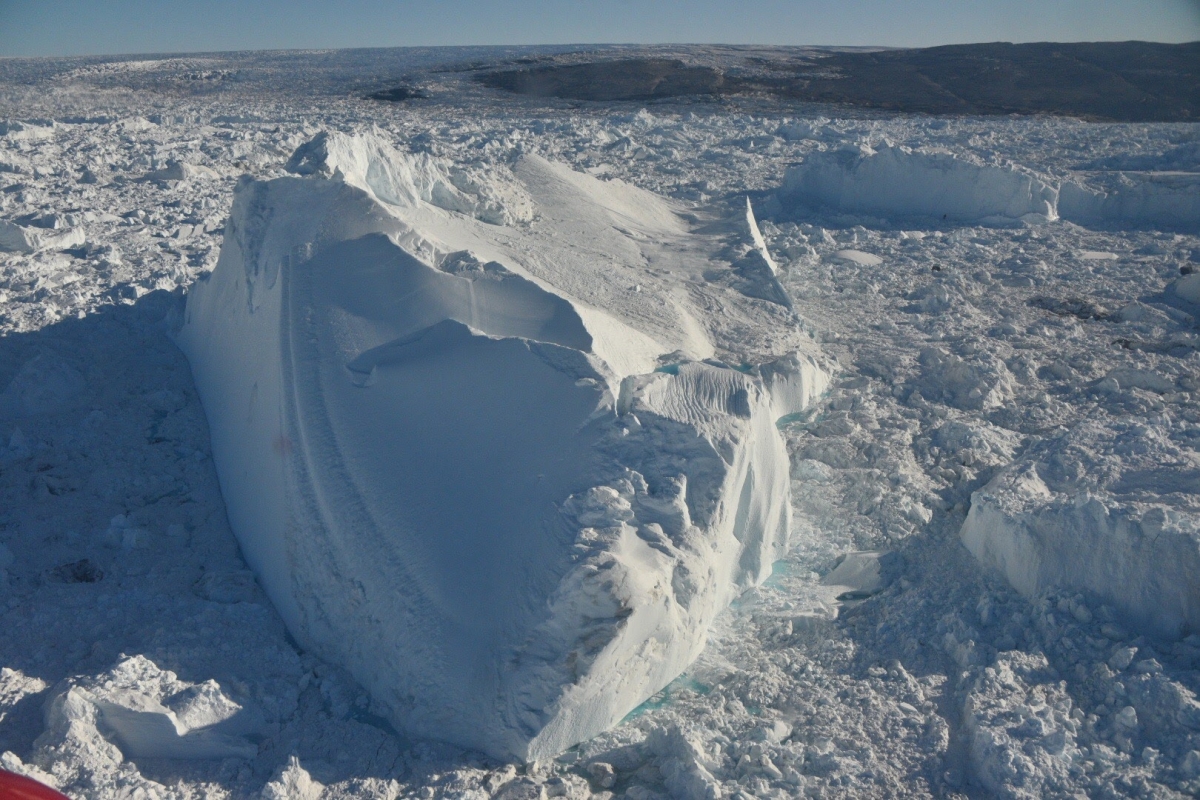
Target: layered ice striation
(477,436)
(1109,509)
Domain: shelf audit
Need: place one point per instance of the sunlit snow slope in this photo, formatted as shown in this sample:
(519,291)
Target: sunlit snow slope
(477,435)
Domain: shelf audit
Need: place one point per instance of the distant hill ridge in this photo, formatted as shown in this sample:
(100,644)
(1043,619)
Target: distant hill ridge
(1113,81)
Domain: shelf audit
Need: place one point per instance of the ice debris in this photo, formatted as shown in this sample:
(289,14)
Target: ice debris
(148,712)
(451,452)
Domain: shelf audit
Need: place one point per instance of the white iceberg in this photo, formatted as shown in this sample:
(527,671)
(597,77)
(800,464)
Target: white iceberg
(1109,510)
(892,180)
(477,438)
(1169,200)
(899,182)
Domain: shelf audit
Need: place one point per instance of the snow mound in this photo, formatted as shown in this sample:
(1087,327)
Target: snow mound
(858,257)
(449,450)
(1110,510)
(95,725)
(181,171)
(1188,288)
(897,181)
(16,238)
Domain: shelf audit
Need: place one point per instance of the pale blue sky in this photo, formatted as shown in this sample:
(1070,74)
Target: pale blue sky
(82,27)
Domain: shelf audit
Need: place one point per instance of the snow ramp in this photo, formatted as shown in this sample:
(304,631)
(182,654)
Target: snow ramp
(478,443)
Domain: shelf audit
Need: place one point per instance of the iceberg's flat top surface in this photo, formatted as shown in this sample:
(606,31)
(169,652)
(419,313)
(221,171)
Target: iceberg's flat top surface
(969,350)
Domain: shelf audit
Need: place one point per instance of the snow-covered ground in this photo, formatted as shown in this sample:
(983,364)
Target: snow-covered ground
(993,584)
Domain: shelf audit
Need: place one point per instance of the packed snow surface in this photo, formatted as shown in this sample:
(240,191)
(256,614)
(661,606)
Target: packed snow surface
(988,586)
(446,451)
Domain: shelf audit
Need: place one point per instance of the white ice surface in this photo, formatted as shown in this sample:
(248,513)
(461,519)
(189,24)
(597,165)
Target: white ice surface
(445,451)
(898,182)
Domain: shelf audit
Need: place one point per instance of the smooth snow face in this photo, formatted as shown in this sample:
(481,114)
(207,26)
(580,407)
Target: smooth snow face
(1108,511)
(444,449)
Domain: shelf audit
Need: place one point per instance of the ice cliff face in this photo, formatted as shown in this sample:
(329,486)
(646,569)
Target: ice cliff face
(892,180)
(899,182)
(475,438)
(1105,509)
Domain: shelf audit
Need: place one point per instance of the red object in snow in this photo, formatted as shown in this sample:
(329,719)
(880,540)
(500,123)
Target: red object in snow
(18,787)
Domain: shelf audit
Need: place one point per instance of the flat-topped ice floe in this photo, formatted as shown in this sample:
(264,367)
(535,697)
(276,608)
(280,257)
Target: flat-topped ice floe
(477,436)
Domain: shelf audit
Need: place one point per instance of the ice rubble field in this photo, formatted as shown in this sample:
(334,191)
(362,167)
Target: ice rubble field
(992,582)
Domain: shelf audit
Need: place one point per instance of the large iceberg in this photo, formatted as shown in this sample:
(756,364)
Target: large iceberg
(478,436)
(896,181)
(1167,200)
(901,183)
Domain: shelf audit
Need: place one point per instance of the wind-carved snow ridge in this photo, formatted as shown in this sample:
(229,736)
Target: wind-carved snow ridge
(477,436)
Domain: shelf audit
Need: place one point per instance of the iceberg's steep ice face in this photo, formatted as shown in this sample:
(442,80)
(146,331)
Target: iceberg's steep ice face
(445,450)
(1112,510)
(896,181)
(1169,200)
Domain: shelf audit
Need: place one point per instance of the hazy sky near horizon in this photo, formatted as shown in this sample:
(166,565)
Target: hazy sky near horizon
(100,27)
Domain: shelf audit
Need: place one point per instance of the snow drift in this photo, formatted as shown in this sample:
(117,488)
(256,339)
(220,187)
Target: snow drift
(1111,511)
(477,442)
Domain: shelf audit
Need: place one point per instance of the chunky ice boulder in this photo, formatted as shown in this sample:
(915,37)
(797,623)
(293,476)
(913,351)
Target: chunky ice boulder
(1109,510)
(477,438)
(895,181)
(146,712)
